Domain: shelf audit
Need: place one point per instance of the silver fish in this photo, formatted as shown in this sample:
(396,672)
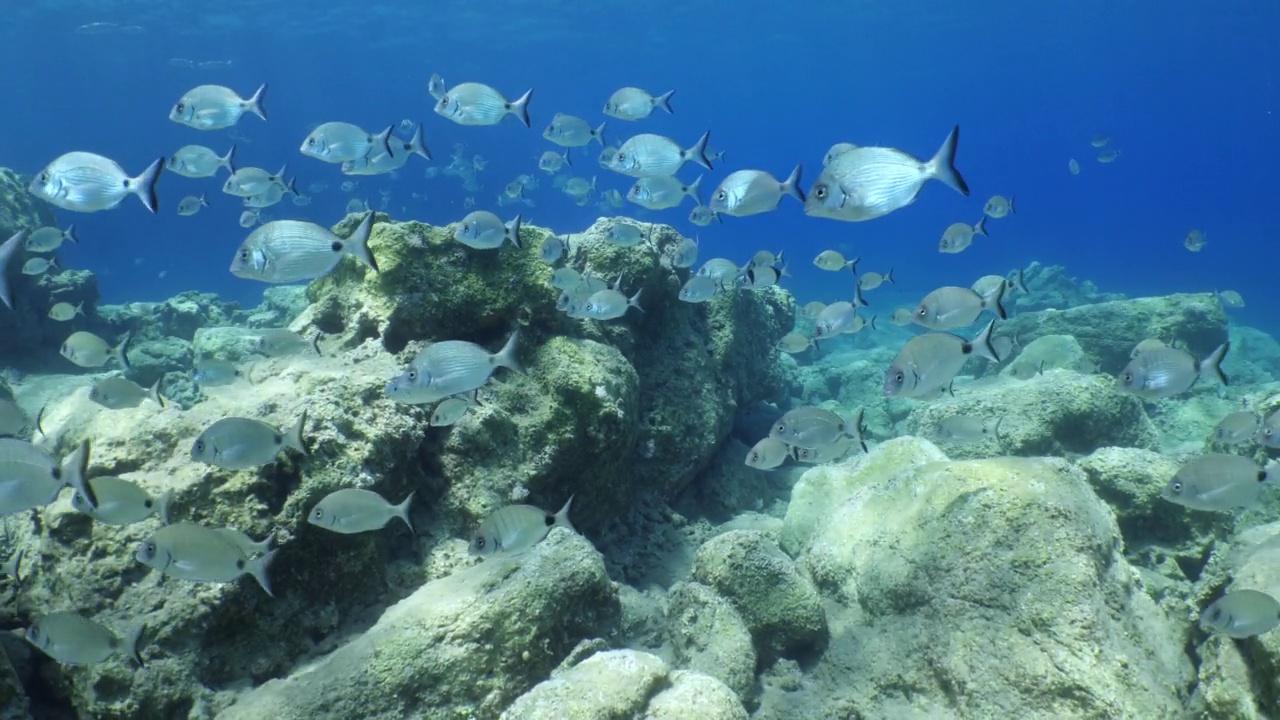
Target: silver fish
(451,367)
(1219,482)
(967,429)
(338,142)
(449,411)
(931,361)
(121,502)
(750,192)
(436,86)
(1165,372)
(250,181)
(356,510)
(565,278)
(720,269)
(48,239)
(609,304)
(700,288)
(215,373)
(952,307)
(701,215)
(825,454)
(85,182)
(767,454)
(872,280)
(118,393)
(237,443)
(198,161)
(625,234)
(516,528)
(632,103)
(190,205)
(646,155)
(833,261)
(1073,166)
(213,107)
(188,551)
(478,104)
(38,266)
(569,131)
(72,639)
(812,427)
(380,163)
(248,218)
(1269,431)
(836,151)
(284,251)
(1241,614)
(999,206)
(483,230)
(551,250)
(551,161)
(685,254)
(1236,428)
(869,182)
(661,192)
(279,342)
(1108,156)
(1099,140)
(959,236)
(30,477)
(88,350)
(835,319)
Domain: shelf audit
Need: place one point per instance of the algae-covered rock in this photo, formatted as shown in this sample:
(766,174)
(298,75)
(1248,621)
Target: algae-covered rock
(468,643)
(708,635)
(1047,352)
(788,619)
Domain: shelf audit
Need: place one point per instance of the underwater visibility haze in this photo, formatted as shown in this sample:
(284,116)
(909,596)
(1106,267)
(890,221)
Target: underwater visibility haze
(662,360)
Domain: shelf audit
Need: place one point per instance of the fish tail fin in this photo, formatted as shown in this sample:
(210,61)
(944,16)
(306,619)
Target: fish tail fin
(79,310)
(228,161)
(154,393)
(129,644)
(995,304)
(698,153)
(1271,473)
(598,134)
(664,101)
(384,139)
(791,186)
(859,427)
(635,300)
(402,512)
(982,343)
(358,243)
(293,438)
(567,161)
(888,277)
(70,234)
(258,567)
(1213,363)
(943,164)
(291,187)
(692,190)
(872,323)
(513,229)
(520,108)
(1011,210)
(980,227)
(144,186)
(562,517)
(122,351)
(203,201)
(74,469)
(996,430)
(852,265)
(164,505)
(1020,283)
(506,357)
(255,103)
(858,300)
(417,145)
(263,545)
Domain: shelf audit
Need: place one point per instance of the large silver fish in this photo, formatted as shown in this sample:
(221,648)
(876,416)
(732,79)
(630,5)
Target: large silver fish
(356,510)
(483,230)
(477,104)
(632,103)
(648,154)
(72,639)
(213,107)
(1219,482)
(1164,372)
(516,528)
(750,192)
(954,307)
(1241,614)
(928,363)
(284,251)
(338,142)
(451,367)
(867,182)
(569,131)
(662,191)
(238,443)
(85,182)
(193,552)
(198,161)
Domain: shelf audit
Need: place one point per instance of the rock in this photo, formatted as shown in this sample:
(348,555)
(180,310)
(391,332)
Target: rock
(709,636)
(473,640)
(1224,685)
(989,588)
(1047,352)
(1051,287)
(788,619)
(695,695)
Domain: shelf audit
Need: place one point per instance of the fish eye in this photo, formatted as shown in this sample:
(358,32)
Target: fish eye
(721,195)
(311,142)
(480,542)
(922,312)
(1176,487)
(244,254)
(199,446)
(413,375)
(899,378)
(820,193)
(620,157)
(318,514)
(444,99)
(781,428)
(182,107)
(755,457)
(1128,377)
(149,549)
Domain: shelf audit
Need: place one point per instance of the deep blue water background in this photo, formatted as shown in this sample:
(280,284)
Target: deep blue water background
(1188,91)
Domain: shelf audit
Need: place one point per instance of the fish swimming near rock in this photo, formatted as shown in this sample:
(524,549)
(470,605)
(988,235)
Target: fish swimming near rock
(928,363)
(516,528)
(118,393)
(339,142)
(30,477)
(952,307)
(284,251)
(188,551)
(90,351)
(1166,372)
(1219,482)
(238,443)
(85,182)
(121,502)
(1241,614)
(356,510)
(768,454)
(451,367)
(72,639)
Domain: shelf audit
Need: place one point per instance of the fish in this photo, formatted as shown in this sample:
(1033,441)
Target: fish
(685,253)
(188,551)
(647,155)
(89,351)
(953,307)
(38,266)
(1241,614)
(700,288)
(248,219)
(190,205)
(902,317)
(989,286)
(625,234)
(701,215)
(48,239)
(1236,428)
(1073,167)
(838,317)
(278,342)
(1145,345)
(794,343)
(1194,241)
(356,510)
(250,181)
(833,261)
(118,393)
(483,230)
(811,427)
(552,161)
(121,502)
(1219,482)
(380,163)
(31,478)
(1269,431)
(1108,156)
(516,528)
(1165,372)
(285,251)
(1024,370)
(825,454)
(998,207)
(565,278)
(450,411)
(767,454)
(215,373)
(609,304)
(85,182)
(720,269)
(660,192)
(237,443)
(551,250)
(751,192)
(13,420)
(632,103)
(870,182)
(959,236)
(214,107)
(872,280)
(569,131)
(1099,140)
(811,310)
(451,367)
(436,86)
(72,639)
(198,161)
(338,142)
(1231,299)
(967,429)
(473,103)
(931,361)
(837,150)
(756,277)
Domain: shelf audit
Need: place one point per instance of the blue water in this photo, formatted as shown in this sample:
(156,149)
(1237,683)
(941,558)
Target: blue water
(1187,90)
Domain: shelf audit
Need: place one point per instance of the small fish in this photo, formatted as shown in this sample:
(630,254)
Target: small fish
(959,236)
(1099,140)
(646,155)
(237,443)
(661,192)
(811,310)
(931,361)
(810,427)
(338,142)
(625,234)
(118,393)
(89,351)
(1108,156)
(767,454)
(834,319)
(215,373)
(967,429)
(38,266)
(825,454)
(606,156)
(685,253)
(565,278)
(198,161)
(1165,372)
(279,342)
(609,304)
(833,261)
(188,551)
(551,250)
(1219,482)
(632,103)
(436,87)
(701,215)
(1241,614)
(516,528)
(72,639)
(872,280)
(249,218)
(569,131)
(1194,241)
(758,277)
(450,367)
(902,317)
(30,477)
(700,288)
(998,207)
(953,307)
(836,151)
(355,510)
(381,163)
(85,182)
(794,343)
(1236,428)
(750,192)
(190,205)
(989,286)
(552,161)
(120,502)
(450,411)
(1024,370)
(213,107)
(1231,299)
(48,239)
(766,258)
(284,251)
(1073,167)
(478,104)
(720,269)
(251,181)
(483,230)
(869,182)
